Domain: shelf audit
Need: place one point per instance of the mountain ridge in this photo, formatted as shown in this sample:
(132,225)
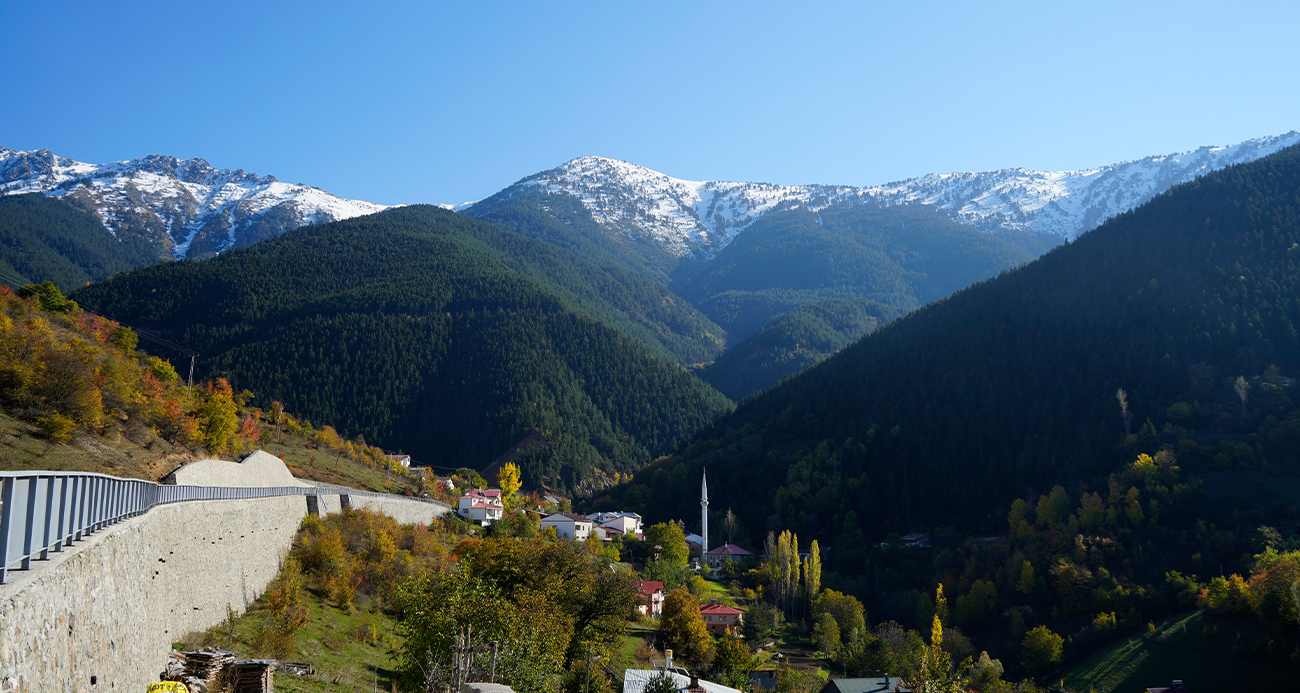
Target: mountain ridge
(699,218)
(185,207)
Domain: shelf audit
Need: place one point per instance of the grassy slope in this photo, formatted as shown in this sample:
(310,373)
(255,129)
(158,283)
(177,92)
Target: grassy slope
(139,454)
(333,641)
(1193,647)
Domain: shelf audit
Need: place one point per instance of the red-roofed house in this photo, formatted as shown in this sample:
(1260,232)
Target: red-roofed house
(652,592)
(727,552)
(481,505)
(719,618)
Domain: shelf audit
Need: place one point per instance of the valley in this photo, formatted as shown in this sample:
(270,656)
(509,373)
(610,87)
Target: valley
(1074,433)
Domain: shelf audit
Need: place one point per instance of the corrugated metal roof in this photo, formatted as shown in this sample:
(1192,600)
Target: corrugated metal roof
(634,681)
(873,684)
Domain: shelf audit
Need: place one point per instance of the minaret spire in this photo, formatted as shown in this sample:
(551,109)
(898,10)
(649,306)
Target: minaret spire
(704,515)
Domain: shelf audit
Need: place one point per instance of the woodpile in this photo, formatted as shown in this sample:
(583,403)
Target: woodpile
(296,668)
(204,668)
(251,676)
(211,670)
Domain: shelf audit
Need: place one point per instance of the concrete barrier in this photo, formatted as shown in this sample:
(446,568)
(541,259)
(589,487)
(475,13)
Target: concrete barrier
(103,615)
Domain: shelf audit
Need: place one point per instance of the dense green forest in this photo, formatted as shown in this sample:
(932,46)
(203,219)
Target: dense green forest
(793,342)
(901,257)
(412,328)
(46,239)
(1011,384)
(1117,417)
(577,267)
(561,219)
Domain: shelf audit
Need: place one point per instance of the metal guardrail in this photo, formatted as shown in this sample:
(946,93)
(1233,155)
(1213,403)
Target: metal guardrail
(44,512)
(345,491)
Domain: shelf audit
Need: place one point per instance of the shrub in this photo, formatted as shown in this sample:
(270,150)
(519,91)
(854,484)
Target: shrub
(56,428)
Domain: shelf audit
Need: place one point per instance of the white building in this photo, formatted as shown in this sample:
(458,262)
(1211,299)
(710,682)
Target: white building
(404,460)
(627,523)
(481,505)
(568,525)
(635,680)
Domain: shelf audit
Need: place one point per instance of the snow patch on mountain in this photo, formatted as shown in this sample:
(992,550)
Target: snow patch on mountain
(185,206)
(699,218)
(684,216)
(1068,203)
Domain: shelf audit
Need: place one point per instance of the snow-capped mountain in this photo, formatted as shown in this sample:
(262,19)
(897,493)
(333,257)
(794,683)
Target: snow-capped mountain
(699,218)
(183,206)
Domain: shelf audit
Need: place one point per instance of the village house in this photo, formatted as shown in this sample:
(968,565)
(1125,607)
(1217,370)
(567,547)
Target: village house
(652,594)
(871,684)
(568,525)
(915,540)
(715,558)
(404,460)
(625,523)
(763,679)
(719,618)
(636,681)
(481,505)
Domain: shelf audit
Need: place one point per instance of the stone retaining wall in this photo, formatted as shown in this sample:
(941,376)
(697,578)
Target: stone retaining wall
(103,615)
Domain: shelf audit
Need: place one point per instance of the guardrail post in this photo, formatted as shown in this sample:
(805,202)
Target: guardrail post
(6,524)
(63,511)
(118,488)
(49,519)
(28,529)
(83,497)
(96,504)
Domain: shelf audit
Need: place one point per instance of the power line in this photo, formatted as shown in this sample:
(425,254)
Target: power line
(10,274)
(7,274)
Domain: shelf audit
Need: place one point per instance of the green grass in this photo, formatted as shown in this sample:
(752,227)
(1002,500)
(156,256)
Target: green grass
(332,468)
(626,657)
(338,643)
(137,454)
(140,454)
(718,591)
(1203,651)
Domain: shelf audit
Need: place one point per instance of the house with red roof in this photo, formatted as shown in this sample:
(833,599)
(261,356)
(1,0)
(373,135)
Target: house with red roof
(727,552)
(652,595)
(719,618)
(481,505)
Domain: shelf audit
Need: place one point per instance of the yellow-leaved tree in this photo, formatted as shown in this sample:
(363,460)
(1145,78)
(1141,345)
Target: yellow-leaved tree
(509,483)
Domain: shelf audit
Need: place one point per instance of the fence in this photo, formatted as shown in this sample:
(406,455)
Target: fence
(326,488)
(45,512)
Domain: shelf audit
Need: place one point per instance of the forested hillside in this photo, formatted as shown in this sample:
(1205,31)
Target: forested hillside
(901,257)
(77,395)
(1011,386)
(582,268)
(894,259)
(411,327)
(793,342)
(562,220)
(46,239)
(1099,440)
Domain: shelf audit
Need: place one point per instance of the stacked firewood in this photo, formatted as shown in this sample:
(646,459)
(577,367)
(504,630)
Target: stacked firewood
(204,668)
(251,676)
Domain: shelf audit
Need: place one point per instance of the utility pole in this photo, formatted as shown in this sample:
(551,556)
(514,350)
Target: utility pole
(192,372)
(587,687)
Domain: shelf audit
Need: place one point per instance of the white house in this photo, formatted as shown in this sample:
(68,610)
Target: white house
(627,523)
(404,460)
(481,505)
(568,525)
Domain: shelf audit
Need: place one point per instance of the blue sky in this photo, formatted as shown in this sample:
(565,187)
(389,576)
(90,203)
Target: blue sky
(448,102)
